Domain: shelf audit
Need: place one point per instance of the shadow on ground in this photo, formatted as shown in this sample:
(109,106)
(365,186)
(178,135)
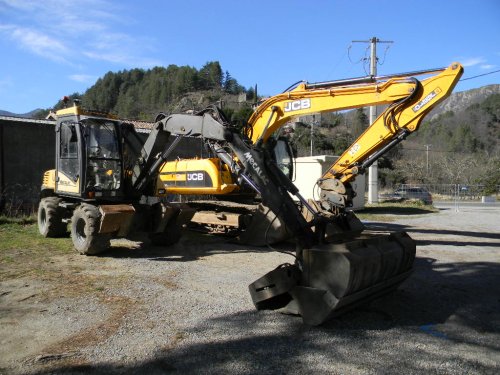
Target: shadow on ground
(397,210)
(191,247)
(427,326)
(439,235)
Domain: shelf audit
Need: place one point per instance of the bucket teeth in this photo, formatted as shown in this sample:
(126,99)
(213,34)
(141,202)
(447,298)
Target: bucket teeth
(337,277)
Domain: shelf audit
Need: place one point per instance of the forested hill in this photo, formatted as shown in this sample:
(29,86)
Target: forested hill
(140,94)
(467,122)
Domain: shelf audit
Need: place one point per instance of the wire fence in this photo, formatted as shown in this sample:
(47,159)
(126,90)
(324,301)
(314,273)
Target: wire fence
(444,191)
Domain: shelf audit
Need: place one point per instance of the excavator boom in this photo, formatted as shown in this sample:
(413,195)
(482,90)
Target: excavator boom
(330,96)
(341,270)
(408,100)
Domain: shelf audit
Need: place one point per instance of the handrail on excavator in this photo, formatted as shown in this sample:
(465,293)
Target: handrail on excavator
(368,79)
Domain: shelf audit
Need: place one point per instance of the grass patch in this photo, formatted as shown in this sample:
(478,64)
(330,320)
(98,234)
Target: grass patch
(24,251)
(23,220)
(23,237)
(389,211)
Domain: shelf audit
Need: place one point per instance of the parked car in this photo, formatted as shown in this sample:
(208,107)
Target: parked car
(417,193)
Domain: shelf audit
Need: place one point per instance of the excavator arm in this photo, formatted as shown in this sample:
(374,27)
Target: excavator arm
(342,270)
(400,119)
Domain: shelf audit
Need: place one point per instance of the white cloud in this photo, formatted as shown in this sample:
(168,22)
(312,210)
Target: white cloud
(473,61)
(37,42)
(122,58)
(119,48)
(66,31)
(488,66)
(21,4)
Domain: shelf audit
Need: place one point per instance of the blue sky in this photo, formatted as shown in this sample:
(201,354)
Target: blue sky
(52,48)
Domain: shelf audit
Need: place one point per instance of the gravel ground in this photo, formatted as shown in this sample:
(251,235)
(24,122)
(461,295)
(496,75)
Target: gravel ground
(187,309)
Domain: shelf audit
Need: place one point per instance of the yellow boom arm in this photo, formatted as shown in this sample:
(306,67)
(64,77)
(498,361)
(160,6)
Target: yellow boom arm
(409,101)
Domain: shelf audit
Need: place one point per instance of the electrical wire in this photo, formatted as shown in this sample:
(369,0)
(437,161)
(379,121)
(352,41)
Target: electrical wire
(334,66)
(431,150)
(364,58)
(480,75)
(385,53)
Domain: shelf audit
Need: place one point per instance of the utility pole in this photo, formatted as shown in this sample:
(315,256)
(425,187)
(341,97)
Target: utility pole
(373,170)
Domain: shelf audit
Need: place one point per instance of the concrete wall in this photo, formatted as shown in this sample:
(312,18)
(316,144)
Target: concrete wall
(310,168)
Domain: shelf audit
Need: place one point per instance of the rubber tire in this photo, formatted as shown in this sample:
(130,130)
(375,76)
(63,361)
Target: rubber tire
(84,230)
(50,217)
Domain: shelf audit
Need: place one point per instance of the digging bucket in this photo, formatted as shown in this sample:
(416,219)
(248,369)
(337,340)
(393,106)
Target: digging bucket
(337,277)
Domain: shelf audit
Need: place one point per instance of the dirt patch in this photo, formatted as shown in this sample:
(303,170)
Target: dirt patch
(69,350)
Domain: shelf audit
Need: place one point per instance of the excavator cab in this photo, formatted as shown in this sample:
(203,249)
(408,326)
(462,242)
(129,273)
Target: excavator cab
(88,156)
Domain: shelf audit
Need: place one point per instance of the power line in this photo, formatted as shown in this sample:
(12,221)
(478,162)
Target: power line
(385,54)
(364,58)
(480,75)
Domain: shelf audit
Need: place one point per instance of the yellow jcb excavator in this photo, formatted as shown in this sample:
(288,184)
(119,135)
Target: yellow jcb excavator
(337,264)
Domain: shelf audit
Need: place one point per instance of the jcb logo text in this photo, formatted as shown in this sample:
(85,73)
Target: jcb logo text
(195,176)
(297,105)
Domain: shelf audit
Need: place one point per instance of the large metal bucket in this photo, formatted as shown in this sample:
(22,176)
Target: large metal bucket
(337,277)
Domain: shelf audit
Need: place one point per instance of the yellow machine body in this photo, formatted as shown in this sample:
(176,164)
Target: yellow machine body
(197,176)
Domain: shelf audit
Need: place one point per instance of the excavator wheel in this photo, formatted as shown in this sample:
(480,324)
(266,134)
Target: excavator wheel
(335,278)
(50,217)
(85,230)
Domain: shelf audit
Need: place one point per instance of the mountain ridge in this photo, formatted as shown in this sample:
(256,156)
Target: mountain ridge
(30,114)
(461,100)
